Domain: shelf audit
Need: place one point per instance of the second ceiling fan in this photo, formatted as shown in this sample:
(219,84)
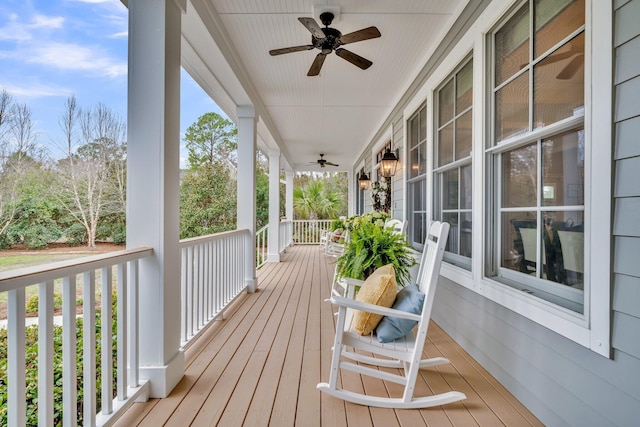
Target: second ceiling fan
(329,40)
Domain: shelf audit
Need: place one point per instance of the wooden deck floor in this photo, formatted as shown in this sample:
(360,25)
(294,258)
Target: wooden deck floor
(260,367)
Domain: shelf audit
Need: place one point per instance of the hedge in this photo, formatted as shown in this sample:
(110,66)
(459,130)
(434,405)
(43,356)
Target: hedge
(31,352)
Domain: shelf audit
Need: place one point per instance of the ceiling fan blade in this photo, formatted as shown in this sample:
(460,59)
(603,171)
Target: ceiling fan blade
(275,52)
(331,164)
(356,60)
(313,27)
(317,65)
(572,68)
(364,34)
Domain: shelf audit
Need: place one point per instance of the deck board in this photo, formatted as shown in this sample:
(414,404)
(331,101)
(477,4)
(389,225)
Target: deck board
(260,367)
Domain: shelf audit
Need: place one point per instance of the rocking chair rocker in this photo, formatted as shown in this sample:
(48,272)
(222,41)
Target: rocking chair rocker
(403,353)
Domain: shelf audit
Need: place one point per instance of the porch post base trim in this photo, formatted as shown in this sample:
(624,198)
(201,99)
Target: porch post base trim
(273,258)
(252,284)
(164,378)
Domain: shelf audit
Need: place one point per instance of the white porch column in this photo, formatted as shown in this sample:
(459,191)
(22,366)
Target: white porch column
(274,206)
(352,186)
(153,162)
(247,143)
(289,206)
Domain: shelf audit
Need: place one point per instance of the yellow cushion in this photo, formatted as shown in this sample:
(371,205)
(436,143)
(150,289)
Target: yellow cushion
(380,288)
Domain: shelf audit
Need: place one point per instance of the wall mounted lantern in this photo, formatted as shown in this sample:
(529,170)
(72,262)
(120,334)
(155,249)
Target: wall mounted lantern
(363,180)
(388,164)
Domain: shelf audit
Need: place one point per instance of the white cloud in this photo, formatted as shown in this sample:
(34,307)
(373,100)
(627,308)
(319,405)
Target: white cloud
(41,21)
(120,35)
(36,90)
(67,56)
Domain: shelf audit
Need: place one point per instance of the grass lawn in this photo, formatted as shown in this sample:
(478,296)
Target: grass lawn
(12,260)
(21,261)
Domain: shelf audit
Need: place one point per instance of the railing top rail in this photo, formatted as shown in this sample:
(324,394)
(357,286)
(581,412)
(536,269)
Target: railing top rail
(262,229)
(22,277)
(212,237)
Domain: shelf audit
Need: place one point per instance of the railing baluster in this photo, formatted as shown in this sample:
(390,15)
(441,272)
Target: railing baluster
(69,368)
(122,311)
(199,321)
(106,338)
(89,348)
(16,358)
(133,288)
(45,353)
(183,292)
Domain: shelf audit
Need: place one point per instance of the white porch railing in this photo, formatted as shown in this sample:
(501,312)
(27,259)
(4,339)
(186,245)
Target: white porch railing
(286,232)
(213,275)
(90,269)
(308,232)
(262,245)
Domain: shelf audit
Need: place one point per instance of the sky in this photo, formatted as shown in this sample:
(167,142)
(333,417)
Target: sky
(52,49)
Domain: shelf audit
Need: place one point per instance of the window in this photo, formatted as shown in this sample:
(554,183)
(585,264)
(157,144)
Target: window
(417,178)
(453,163)
(537,152)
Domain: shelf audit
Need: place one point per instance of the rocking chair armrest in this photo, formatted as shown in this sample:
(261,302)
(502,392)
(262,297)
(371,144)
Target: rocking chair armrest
(372,308)
(351,282)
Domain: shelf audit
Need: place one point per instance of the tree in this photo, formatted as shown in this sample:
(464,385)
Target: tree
(207,201)
(94,141)
(19,153)
(212,138)
(313,201)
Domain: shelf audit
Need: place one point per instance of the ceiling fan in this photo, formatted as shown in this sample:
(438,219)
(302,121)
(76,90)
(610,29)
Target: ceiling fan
(322,162)
(329,40)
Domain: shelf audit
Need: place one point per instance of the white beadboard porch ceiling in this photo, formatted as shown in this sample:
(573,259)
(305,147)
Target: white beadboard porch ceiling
(226,49)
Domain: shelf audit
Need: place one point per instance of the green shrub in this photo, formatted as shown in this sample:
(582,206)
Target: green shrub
(76,235)
(5,242)
(32,302)
(31,359)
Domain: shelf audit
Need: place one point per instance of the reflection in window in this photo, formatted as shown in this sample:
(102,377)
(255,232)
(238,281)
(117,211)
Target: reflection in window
(416,183)
(542,215)
(453,181)
(538,75)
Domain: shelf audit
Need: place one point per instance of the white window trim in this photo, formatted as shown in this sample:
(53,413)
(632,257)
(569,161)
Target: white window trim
(382,141)
(592,330)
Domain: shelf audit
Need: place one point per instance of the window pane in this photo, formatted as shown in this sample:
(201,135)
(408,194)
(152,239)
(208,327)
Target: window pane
(445,145)
(463,135)
(445,103)
(418,196)
(563,248)
(414,165)
(563,169)
(465,234)
(465,187)
(512,108)
(453,242)
(450,189)
(422,159)
(423,124)
(519,241)
(519,177)
(413,132)
(464,86)
(558,87)
(512,45)
(555,20)
(417,234)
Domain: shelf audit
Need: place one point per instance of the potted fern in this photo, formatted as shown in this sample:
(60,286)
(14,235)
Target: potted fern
(372,246)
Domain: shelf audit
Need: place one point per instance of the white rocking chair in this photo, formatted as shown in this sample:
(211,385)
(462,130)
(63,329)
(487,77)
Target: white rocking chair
(404,353)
